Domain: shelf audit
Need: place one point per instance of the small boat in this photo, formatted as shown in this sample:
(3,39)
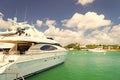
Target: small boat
(25,51)
(97,50)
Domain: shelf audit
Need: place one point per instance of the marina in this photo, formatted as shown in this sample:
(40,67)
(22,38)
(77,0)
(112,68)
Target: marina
(59,40)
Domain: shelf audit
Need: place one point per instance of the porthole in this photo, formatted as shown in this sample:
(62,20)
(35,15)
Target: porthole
(45,60)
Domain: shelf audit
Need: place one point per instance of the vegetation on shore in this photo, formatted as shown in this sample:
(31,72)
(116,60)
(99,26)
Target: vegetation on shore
(77,46)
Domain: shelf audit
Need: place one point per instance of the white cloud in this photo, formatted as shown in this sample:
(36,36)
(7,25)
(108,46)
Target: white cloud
(39,22)
(115,33)
(61,35)
(64,36)
(100,37)
(50,23)
(90,20)
(6,24)
(116,28)
(85,2)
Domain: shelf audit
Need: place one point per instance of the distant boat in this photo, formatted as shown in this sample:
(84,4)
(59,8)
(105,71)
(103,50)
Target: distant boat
(97,50)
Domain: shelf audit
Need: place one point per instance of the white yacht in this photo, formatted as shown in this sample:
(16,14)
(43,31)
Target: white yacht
(97,50)
(24,51)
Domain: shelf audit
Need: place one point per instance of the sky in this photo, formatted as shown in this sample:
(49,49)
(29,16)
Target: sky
(67,21)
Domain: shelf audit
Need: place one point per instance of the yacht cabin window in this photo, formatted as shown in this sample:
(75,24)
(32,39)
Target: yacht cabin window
(48,47)
(4,49)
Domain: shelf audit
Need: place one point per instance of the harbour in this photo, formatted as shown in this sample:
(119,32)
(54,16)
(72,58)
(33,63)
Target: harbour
(84,65)
(59,40)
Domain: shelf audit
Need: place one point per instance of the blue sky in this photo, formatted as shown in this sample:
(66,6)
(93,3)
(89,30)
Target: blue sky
(64,17)
(57,9)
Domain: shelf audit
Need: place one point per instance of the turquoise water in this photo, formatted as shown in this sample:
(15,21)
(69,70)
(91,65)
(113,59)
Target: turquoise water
(84,65)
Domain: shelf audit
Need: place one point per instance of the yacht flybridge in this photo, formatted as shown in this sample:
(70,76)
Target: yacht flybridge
(24,51)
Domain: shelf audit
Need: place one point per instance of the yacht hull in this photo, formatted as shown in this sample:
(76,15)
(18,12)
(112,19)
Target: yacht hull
(27,65)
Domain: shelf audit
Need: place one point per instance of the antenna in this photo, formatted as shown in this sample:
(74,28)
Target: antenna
(25,14)
(16,13)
